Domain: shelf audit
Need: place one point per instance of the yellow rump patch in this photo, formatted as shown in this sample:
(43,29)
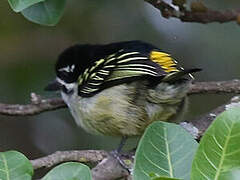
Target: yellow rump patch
(164,60)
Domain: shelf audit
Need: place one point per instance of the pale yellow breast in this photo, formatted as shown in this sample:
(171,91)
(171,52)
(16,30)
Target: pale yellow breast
(126,110)
(112,112)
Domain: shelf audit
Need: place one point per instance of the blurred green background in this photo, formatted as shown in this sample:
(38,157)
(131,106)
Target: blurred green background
(28,53)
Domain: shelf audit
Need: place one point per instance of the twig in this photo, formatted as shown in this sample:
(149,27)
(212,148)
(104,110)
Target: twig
(231,86)
(39,105)
(108,167)
(84,156)
(205,16)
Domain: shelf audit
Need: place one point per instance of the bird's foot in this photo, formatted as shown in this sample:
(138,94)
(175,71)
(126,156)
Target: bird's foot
(125,161)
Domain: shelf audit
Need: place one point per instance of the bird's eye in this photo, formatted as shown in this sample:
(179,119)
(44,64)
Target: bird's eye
(67,73)
(63,75)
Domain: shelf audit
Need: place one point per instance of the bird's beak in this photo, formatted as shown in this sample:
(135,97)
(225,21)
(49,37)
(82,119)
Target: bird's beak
(53,86)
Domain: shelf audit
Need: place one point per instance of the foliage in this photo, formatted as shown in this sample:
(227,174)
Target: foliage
(217,156)
(165,152)
(45,12)
(15,166)
(69,170)
(219,150)
(19,5)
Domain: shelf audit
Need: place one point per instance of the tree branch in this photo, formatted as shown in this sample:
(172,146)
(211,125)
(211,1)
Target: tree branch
(84,156)
(39,105)
(108,167)
(36,106)
(216,87)
(199,14)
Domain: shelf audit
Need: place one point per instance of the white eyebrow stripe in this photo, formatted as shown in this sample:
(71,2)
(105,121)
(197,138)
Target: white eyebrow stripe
(68,68)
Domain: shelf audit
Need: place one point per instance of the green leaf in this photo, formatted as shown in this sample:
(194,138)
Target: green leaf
(164,178)
(231,175)
(19,5)
(47,13)
(15,166)
(69,171)
(165,149)
(219,150)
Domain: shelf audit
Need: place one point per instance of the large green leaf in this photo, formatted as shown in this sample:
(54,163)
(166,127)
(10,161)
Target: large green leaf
(48,12)
(165,149)
(164,178)
(219,150)
(15,166)
(19,5)
(69,171)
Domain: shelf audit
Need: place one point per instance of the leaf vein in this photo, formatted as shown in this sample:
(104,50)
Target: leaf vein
(209,160)
(218,144)
(205,176)
(6,166)
(157,148)
(223,153)
(168,154)
(162,169)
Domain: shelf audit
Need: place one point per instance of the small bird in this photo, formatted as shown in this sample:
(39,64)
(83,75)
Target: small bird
(118,89)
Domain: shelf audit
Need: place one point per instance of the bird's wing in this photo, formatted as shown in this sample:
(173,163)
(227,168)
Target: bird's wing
(126,66)
(138,64)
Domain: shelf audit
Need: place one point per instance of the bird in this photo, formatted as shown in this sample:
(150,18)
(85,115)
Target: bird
(118,89)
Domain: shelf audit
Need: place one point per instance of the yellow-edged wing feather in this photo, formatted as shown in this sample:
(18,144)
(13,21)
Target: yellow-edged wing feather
(164,60)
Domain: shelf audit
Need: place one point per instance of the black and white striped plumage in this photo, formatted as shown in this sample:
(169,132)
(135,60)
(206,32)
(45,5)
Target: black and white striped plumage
(146,82)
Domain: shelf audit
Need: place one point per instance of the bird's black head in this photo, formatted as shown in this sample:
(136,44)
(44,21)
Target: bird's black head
(71,63)
(74,60)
